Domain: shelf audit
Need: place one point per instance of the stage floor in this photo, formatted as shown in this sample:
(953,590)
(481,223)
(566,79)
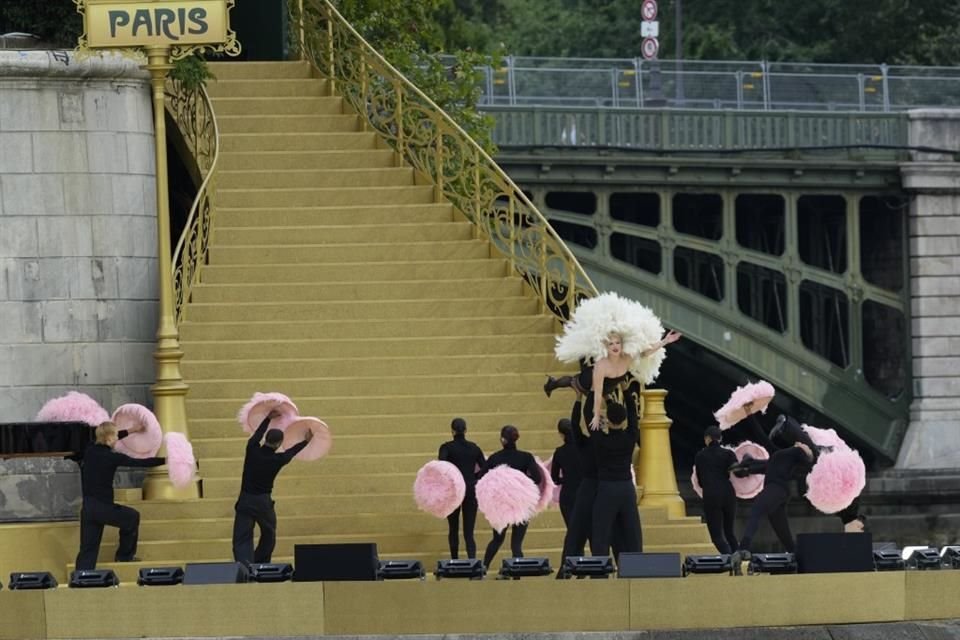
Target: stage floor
(488,606)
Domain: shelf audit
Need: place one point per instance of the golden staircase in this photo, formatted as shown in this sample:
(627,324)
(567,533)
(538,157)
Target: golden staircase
(335,277)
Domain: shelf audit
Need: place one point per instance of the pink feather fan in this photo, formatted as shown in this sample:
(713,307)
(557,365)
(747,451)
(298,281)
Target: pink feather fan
(439,488)
(825,437)
(320,443)
(547,486)
(73,407)
(181,463)
(506,496)
(752,485)
(836,480)
(256,409)
(145,436)
(759,394)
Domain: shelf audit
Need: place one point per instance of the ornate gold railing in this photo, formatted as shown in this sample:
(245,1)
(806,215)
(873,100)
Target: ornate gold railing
(431,142)
(193,113)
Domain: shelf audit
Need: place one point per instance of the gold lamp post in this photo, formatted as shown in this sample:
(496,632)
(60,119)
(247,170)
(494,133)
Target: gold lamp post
(164,30)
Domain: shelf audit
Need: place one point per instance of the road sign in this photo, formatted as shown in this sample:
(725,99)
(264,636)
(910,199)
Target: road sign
(648,10)
(650,29)
(649,48)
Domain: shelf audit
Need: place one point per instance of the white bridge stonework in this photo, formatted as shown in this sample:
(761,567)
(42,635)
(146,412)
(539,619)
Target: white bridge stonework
(78,248)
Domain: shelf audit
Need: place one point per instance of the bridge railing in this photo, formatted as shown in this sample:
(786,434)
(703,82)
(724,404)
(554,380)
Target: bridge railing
(718,85)
(692,130)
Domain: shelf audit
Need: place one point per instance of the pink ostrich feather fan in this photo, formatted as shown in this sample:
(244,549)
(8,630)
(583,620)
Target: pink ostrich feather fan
(758,393)
(145,436)
(73,407)
(555,500)
(547,486)
(439,488)
(752,485)
(825,437)
(320,443)
(181,463)
(506,496)
(836,480)
(253,412)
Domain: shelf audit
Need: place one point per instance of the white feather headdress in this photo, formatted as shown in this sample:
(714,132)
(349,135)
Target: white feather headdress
(596,318)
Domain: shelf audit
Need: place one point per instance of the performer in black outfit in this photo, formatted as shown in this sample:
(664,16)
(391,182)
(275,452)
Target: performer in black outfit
(98,466)
(468,458)
(713,464)
(615,507)
(581,519)
(521,461)
(565,470)
(783,466)
(261,464)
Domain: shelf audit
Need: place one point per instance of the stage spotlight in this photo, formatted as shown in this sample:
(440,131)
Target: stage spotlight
(922,558)
(400,570)
(32,580)
(950,556)
(160,576)
(93,578)
(772,563)
(517,568)
(887,560)
(588,566)
(719,563)
(472,569)
(271,572)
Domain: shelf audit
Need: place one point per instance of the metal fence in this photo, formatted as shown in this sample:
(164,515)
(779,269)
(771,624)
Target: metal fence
(768,86)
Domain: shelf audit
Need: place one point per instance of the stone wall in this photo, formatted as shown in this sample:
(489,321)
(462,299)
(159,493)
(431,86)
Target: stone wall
(78,249)
(933,179)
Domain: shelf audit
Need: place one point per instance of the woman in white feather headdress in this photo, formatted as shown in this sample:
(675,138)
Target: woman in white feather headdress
(615,340)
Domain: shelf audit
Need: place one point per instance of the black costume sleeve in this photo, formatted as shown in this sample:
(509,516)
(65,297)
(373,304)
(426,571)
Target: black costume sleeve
(758,435)
(442,454)
(294,450)
(555,468)
(123,433)
(579,439)
(533,469)
(127,461)
(480,461)
(257,436)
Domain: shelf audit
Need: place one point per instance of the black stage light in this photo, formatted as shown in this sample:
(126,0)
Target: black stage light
(517,568)
(32,580)
(271,572)
(772,563)
(160,576)
(950,556)
(472,569)
(588,566)
(92,578)
(887,559)
(719,563)
(924,559)
(400,570)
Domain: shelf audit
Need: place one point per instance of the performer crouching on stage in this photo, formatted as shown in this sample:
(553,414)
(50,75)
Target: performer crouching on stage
(97,468)
(261,464)
(524,462)
(713,464)
(468,459)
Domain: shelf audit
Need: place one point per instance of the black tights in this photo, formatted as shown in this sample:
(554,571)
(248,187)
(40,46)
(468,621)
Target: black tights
(516,543)
(720,513)
(469,510)
(772,502)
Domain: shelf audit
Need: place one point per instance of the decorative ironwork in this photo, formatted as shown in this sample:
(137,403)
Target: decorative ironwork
(193,114)
(230,47)
(432,143)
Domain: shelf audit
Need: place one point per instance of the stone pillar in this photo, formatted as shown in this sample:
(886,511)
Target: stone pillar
(78,239)
(933,179)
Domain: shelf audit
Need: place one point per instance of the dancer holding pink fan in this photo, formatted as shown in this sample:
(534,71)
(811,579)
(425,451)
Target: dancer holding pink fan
(468,459)
(712,466)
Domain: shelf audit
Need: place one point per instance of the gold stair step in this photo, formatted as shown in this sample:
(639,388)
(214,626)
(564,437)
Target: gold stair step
(464,270)
(288,123)
(280,198)
(437,424)
(346,234)
(350,253)
(260,70)
(352,329)
(316,179)
(318,105)
(289,160)
(298,141)
(353,214)
(268,88)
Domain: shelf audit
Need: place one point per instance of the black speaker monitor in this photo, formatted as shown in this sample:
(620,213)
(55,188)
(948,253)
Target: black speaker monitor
(330,562)
(649,565)
(93,578)
(215,573)
(32,580)
(834,552)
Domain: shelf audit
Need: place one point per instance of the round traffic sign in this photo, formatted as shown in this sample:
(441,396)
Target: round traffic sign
(649,48)
(649,9)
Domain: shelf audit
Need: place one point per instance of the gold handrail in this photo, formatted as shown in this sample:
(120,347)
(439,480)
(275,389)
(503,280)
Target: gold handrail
(432,143)
(193,113)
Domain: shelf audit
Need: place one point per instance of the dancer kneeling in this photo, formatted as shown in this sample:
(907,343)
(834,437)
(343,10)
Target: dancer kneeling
(713,464)
(524,462)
